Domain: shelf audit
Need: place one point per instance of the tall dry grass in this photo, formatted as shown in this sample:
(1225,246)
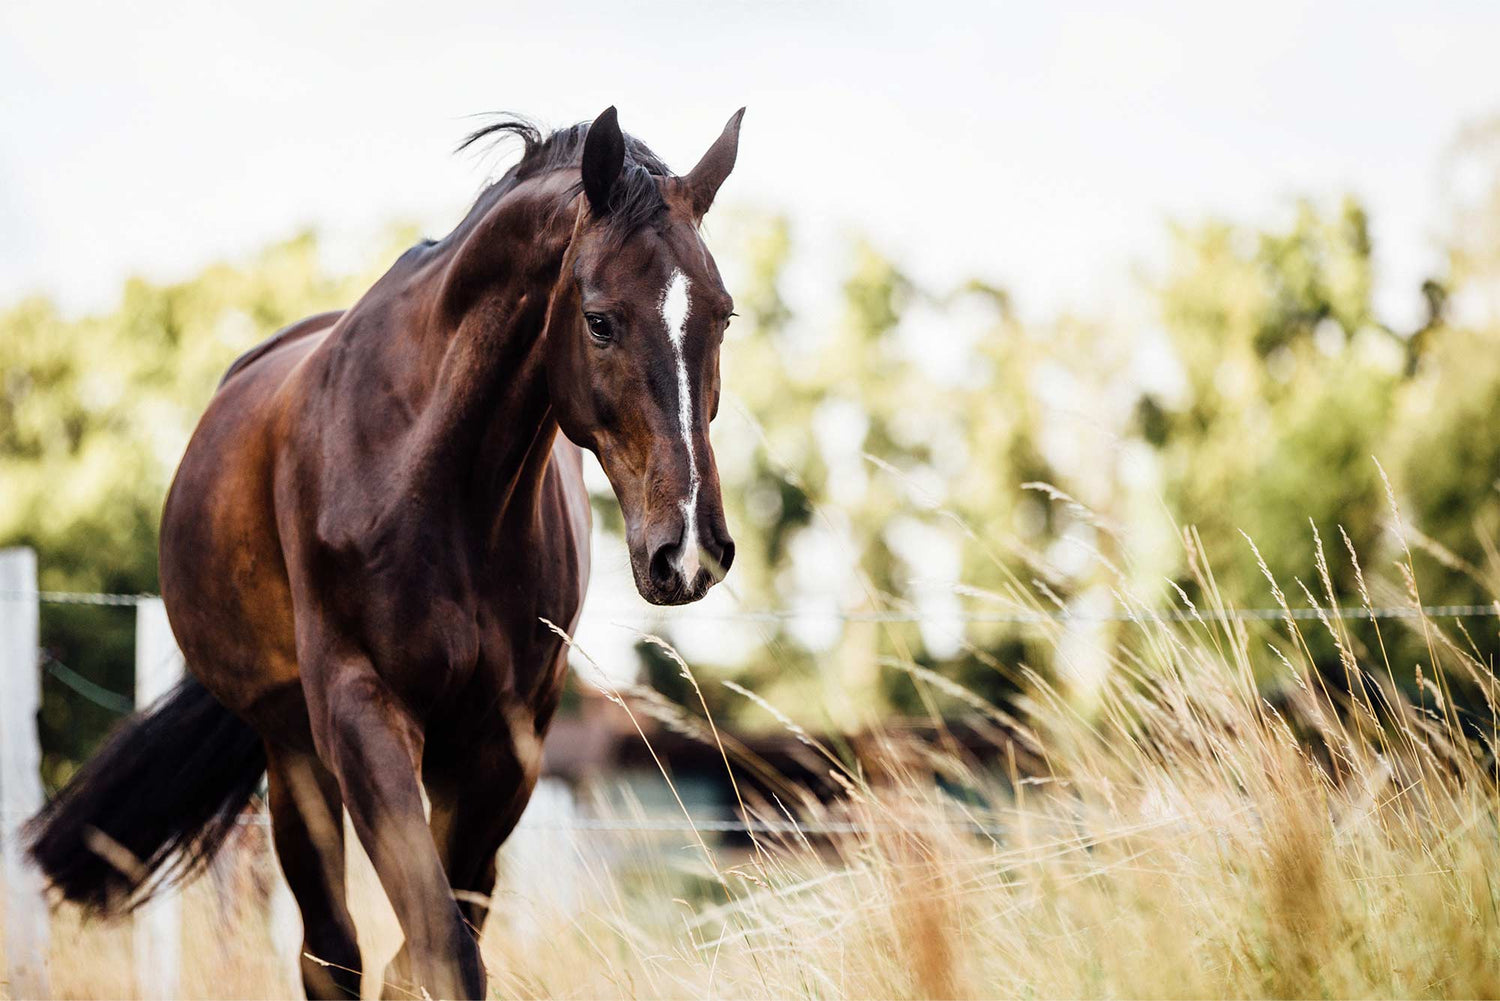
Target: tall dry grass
(1181,835)
(1185,836)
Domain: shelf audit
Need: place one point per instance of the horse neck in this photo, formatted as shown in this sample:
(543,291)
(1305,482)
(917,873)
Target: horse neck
(468,356)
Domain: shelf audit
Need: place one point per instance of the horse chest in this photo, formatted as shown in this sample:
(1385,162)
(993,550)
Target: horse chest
(489,637)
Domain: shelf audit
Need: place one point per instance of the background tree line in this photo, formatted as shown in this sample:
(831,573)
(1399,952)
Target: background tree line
(892,458)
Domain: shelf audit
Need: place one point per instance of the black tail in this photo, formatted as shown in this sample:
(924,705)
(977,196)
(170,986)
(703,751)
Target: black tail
(152,805)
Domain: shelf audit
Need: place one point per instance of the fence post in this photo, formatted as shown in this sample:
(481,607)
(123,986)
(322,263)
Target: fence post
(158,923)
(284,923)
(26,911)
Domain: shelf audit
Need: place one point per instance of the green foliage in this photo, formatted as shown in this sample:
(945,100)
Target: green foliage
(1291,391)
(874,462)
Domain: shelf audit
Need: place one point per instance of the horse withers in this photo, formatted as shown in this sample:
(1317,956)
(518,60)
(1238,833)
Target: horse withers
(372,528)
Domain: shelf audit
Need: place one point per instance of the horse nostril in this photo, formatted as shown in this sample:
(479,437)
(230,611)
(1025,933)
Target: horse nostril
(664,565)
(717,556)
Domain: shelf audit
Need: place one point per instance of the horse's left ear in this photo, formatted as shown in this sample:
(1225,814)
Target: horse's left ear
(603,156)
(702,182)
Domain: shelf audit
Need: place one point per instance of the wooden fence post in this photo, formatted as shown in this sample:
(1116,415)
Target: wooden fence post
(158,923)
(26,912)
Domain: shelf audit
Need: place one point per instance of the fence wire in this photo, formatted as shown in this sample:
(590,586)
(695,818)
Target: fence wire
(94,692)
(1019,617)
(119,703)
(672,825)
(77,597)
(710,825)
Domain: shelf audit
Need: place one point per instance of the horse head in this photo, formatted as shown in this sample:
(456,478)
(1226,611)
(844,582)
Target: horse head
(633,333)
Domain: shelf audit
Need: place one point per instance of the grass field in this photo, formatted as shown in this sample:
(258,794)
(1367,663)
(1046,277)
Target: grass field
(1183,836)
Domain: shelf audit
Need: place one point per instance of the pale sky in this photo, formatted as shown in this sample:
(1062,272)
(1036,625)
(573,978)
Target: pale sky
(1039,146)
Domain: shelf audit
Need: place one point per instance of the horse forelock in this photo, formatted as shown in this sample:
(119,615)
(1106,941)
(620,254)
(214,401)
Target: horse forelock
(635,201)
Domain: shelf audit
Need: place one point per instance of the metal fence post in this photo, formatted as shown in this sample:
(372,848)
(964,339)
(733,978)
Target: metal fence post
(26,911)
(158,923)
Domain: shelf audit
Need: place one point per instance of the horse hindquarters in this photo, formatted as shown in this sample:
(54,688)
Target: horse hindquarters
(165,792)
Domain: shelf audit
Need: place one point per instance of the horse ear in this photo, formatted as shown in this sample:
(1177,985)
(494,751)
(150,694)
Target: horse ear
(603,157)
(702,182)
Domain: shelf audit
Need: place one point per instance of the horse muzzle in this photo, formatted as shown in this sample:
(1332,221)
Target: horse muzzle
(668,572)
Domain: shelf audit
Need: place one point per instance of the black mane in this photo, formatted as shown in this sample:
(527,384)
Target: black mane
(636,200)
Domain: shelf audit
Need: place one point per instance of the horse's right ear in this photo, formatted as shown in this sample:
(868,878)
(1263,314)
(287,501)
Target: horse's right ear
(703,181)
(603,158)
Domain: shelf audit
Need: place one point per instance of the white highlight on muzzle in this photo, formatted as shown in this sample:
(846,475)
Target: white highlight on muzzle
(674,314)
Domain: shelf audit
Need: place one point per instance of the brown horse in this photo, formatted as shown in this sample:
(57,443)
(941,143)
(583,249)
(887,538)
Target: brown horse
(373,525)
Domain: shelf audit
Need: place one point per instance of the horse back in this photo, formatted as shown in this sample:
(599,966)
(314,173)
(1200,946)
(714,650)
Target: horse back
(317,323)
(223,572)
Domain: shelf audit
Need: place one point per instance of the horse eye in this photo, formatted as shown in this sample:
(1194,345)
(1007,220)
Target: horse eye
(599,327)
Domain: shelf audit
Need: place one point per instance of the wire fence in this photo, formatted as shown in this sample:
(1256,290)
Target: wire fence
(719,825)
(121,704)
(1015,617)
(680,825)
(94,692)
(77,598)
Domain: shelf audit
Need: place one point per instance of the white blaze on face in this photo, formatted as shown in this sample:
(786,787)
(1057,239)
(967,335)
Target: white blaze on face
(674,314)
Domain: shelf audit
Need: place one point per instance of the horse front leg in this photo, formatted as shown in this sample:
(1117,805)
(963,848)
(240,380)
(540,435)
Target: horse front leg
(472,815)
(373,745)
(477,796)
